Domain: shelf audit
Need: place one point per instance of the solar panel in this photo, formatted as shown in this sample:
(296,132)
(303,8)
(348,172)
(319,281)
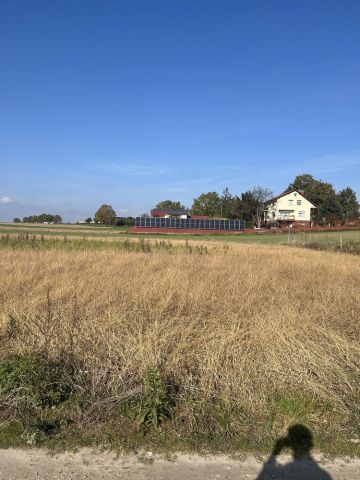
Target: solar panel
(193,223)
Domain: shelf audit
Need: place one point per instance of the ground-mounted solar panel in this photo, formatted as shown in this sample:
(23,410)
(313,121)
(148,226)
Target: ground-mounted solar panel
(189,223)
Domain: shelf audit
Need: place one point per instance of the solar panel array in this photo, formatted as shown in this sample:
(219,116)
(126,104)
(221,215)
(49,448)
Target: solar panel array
(195,223)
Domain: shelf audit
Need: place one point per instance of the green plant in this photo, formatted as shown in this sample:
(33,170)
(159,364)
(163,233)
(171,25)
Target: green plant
(156,404)
(33,379)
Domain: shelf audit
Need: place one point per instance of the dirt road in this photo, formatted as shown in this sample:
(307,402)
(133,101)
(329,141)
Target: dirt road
(85,465)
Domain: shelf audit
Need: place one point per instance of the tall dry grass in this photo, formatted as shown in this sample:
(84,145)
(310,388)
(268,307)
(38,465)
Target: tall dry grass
(258,329)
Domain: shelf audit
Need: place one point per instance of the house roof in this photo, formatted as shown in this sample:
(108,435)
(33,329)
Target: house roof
(167,212)
(273,199)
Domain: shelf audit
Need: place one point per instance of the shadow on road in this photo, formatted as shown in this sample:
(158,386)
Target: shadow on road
(303,466)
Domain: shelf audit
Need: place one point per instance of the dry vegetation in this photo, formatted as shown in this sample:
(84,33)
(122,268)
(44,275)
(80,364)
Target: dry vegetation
(235,345)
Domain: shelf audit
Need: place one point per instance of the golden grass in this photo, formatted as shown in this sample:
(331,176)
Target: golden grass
(243,329)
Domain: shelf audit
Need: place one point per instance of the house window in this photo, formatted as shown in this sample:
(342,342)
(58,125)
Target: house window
(284,214)
(291,201)
(298,202)
(302,214)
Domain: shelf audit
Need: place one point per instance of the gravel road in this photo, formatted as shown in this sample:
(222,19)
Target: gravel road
(86,465)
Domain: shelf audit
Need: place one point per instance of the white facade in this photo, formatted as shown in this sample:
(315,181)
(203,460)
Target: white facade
(289,207)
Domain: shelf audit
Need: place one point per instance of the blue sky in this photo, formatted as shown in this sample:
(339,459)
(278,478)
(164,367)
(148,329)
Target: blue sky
(129,102)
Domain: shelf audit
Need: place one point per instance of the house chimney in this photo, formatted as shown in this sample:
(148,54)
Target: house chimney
(301,192)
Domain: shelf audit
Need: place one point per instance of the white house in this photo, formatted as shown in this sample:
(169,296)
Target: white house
(289,208)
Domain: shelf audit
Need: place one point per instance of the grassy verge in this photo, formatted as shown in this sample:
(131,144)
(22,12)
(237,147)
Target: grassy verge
(48,403)
(348,247)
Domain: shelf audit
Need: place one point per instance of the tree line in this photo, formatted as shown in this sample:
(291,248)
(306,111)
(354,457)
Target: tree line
(42,218)
(249,206)
(332,207)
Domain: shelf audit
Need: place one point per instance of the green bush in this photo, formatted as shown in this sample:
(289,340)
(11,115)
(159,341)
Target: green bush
(35,380)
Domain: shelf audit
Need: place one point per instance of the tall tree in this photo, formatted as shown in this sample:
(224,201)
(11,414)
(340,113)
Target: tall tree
(170,205)
(250,206)
(244,207)
(349,204)
(315,190)
(105,214)
(226,200)
(207,204)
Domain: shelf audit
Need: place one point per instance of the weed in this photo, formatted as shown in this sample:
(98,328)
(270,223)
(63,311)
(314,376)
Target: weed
(156,403)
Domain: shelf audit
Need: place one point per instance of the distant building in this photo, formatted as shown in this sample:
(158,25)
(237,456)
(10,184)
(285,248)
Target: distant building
(156,213)
(289,208)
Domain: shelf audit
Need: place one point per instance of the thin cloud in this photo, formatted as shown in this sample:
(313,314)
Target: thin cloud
(79,176)
(232,167)
(5,201)
(324,164)
(185,185)
(131,168)
(194,181)
(335,162)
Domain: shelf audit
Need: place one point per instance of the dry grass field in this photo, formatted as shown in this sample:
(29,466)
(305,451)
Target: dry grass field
(208,351)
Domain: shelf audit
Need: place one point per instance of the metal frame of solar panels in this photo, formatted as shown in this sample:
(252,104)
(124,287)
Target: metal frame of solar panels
(191,223)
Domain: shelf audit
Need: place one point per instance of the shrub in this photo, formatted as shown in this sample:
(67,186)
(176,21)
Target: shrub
(35,380)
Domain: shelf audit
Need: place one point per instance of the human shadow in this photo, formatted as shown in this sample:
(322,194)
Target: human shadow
(302,467)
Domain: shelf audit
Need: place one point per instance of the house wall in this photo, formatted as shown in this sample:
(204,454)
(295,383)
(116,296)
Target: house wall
(290,203)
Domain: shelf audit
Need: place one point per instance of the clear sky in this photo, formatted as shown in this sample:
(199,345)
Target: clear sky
(129,102)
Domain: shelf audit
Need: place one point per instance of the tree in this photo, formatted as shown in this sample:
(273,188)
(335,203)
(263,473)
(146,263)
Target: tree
(349,204)
(330,210)
(17,220)
(226,200)
(121,221)
(43,218)
(207,204)
(170,205)
(244,207)
(259,196)
(88,220)
(315,190)
(105,214)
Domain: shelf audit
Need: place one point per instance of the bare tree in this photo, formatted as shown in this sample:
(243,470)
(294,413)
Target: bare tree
(260,196)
